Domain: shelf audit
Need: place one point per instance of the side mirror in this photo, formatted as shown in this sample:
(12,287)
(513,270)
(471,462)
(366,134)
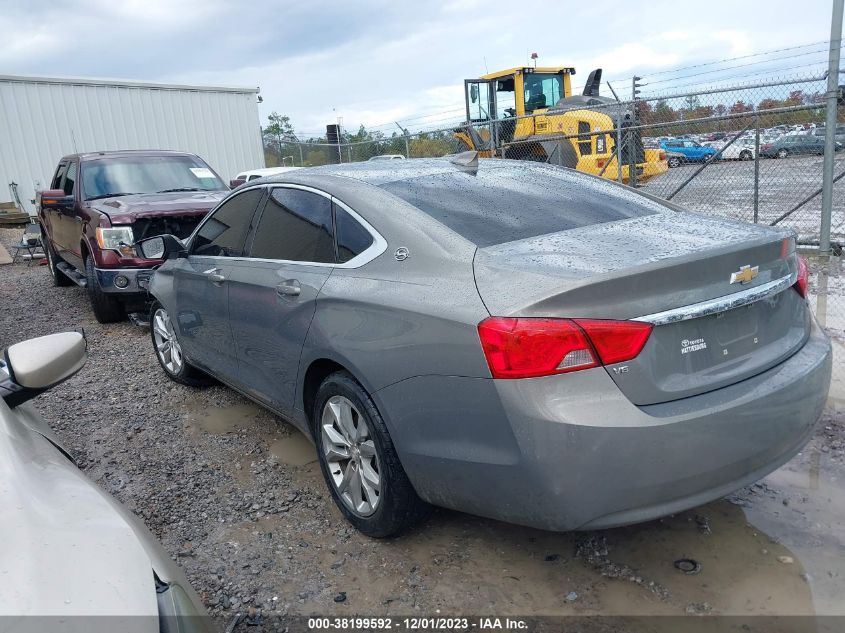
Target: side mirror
(56,199)
(162,247)
(237,182)
(31,367)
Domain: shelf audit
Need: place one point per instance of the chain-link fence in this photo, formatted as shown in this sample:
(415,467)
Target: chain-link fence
(752,152)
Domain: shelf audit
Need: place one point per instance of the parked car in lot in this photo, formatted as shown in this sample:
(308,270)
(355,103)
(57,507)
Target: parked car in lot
(255,174)
(740,149)
(71,554)
(100,203)
(692,151)
(795,144)
(674,159)
(839,135)
(504,338)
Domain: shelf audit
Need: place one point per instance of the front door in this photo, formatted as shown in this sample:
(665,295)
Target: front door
(67,226)
(480,98)
(52,215)
(272,297)
(202,284)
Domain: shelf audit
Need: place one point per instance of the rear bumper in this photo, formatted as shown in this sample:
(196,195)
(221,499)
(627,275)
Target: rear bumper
(112,280)
(571,452)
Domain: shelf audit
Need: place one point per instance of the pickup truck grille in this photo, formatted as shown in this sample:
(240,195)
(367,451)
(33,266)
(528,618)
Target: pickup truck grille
(179,225)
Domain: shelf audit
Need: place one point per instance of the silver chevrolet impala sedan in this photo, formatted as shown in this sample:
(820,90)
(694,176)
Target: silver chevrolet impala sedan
(513,340)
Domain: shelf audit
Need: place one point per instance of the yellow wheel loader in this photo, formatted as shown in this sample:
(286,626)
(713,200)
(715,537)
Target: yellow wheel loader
(531,114)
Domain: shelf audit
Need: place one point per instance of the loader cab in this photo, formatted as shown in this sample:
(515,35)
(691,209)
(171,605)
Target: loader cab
(509,94)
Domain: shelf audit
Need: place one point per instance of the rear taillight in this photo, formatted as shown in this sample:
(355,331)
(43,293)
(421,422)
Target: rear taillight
(803,276)
(533,347)
(616,341)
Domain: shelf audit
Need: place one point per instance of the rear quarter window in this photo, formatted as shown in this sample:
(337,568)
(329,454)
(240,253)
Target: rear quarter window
(499,205)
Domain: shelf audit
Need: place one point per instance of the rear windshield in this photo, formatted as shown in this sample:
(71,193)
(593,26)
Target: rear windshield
(499,205)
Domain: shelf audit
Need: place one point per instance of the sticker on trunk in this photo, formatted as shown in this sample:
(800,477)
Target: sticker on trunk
(693,345)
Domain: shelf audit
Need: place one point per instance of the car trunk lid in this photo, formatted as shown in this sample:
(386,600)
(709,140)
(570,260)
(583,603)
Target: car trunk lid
(675,270)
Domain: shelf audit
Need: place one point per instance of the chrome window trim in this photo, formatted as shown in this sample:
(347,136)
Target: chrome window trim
(375,249)
(720,304)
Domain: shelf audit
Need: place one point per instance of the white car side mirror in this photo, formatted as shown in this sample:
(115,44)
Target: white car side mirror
(33,366)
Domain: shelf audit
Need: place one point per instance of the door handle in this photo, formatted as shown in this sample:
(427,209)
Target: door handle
(289,288)
(214,276)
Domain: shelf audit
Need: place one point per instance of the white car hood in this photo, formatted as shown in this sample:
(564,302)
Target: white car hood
(67,548)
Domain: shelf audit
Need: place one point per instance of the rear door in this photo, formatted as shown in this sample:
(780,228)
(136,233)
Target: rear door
(272,295)
(202,284)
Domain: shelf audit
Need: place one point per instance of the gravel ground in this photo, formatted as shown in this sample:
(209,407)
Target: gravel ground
(235,496)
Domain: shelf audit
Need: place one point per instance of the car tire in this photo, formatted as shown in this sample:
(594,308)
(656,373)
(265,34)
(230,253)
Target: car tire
(359,462)
(59,278)
(782,153)
(745,155)
(107,309)
(674,161)
(168,350)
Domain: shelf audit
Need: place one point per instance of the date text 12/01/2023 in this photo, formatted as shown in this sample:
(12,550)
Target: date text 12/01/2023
(417,624)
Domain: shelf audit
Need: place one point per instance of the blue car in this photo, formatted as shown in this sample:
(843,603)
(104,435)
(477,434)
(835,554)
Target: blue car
(686,151)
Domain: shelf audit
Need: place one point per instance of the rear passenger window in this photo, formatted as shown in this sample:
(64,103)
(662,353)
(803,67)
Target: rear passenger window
(296,225)
(224,233)
(57,179)
(352,238)
(70,179)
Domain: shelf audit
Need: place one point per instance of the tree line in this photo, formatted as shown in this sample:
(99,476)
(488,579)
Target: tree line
(282,146)
(691,108)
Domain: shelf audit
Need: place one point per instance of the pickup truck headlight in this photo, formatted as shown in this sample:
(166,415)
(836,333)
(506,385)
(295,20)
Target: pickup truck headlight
(119,238)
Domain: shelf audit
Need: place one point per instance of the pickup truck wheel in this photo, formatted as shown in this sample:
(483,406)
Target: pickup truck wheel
(107,309)
(359,462)
(169,351)
(59,278)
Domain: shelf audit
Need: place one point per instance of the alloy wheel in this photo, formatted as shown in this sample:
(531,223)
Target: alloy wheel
(350,456)
(167,347)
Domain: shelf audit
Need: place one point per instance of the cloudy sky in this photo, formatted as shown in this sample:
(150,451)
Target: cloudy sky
(373,62)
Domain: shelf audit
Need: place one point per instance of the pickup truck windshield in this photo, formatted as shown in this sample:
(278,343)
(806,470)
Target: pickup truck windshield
(125,175)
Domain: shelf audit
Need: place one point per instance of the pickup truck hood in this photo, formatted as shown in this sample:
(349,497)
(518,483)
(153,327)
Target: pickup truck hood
(127,209)
(68,548)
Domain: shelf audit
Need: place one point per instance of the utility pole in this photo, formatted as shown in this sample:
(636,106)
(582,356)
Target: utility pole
(407,136)
(830,125)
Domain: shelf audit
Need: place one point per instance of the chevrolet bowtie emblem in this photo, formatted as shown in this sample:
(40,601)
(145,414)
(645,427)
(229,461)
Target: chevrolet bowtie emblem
(744,275)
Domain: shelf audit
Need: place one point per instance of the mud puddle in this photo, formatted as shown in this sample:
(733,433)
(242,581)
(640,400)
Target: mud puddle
(293,450)
(225,419)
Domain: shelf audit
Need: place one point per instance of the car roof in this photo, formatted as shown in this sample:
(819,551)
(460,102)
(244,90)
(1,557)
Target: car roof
(125,152)
(382,172)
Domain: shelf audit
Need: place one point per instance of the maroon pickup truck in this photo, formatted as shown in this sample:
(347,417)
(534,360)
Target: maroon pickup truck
(99,204)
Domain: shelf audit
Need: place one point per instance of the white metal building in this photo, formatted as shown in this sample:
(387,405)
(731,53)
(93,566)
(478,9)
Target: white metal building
(44,118)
